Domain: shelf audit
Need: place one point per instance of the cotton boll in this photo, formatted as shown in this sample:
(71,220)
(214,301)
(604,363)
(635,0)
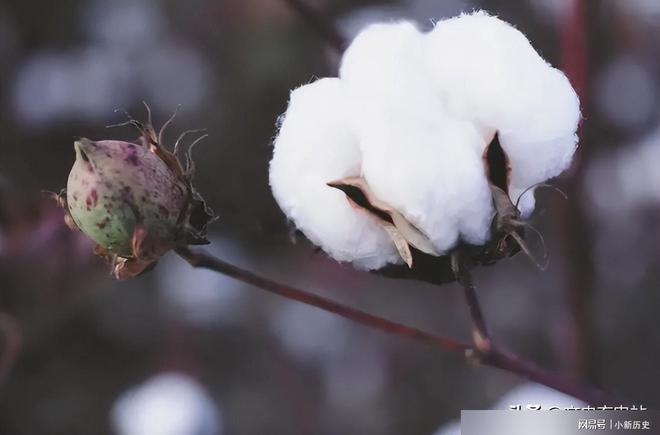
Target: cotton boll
(474,60)
(387,61)
(542,145)
(488,72)
(427,167)
(525,199)
(535,162)
(317,144)
(413,114)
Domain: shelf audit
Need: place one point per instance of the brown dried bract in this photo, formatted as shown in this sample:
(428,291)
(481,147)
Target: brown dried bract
(423,262)
(404,234)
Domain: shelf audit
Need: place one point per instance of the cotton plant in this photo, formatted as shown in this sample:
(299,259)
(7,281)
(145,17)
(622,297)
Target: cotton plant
(425,143)
(421,156)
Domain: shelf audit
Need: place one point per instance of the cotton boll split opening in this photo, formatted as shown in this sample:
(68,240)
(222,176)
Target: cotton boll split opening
(424,143)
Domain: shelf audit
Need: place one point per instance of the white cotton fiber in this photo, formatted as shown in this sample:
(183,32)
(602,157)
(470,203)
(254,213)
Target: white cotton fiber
(427,167)
(412,113)
(387,61)
(408,144)
(488,72)
(317,144)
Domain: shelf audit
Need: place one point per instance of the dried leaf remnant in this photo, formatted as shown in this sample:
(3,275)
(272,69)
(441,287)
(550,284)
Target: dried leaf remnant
(403,233)
(415,248)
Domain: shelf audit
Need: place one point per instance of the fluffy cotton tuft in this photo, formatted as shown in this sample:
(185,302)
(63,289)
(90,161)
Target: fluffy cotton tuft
(487,72)
(317,144)
(412,162)
(387,61)
(413,113)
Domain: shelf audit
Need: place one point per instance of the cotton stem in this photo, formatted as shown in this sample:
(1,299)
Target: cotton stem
(494,356)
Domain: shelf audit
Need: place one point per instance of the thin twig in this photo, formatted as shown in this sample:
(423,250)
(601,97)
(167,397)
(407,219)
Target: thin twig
(324,27)
(202,259)
(509,362)
(494,356)
(480,334)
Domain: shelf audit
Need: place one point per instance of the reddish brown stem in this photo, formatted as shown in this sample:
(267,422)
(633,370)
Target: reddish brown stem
(492,356)
(324,27)
(509,362)
(12,338)
(202,259)
(480,334)
(579,339)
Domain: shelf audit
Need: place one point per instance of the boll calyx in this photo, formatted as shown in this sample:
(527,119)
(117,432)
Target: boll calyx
(134,199)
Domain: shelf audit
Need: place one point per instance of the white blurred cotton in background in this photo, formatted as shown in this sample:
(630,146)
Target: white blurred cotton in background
(124,24)
(626,93)
(536,394)
(308,335)
(130,57)
(626,181)
(623,187)
(166,404)
(89,83)
(643,11)
(214,299)
(451,428)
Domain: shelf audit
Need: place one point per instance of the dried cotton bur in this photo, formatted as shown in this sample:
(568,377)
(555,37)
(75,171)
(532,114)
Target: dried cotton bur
(135,199)
(422,157)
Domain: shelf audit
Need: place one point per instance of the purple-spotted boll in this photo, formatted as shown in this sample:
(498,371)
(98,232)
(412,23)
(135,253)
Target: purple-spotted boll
(114,186)
(135,200)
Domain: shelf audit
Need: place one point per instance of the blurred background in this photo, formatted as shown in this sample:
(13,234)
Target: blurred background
(187,352)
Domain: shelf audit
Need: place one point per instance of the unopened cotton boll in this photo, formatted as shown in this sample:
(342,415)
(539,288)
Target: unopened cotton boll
(317,144)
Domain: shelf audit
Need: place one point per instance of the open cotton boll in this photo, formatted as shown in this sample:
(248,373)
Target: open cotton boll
(427,167)
(317,144)
(413,114)
(488,72)
(525,199)
(536,162)
(543,144)
(480,65)
(387,60)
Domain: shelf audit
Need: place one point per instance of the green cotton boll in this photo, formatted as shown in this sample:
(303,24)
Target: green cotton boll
(115,186)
